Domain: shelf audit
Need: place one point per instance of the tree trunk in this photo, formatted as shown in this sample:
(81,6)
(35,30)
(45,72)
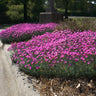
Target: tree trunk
(66,9)
(25,11)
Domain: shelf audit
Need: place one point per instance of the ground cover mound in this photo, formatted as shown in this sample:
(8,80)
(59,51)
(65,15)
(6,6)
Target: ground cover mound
(25,31)
(60,54)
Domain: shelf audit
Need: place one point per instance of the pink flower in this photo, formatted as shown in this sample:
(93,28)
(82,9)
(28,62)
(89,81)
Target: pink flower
(86,56)
(84,61)
(61,56)
(28,60)
(61,60)
(30,67)
(82,58)
(28,64)
(53,65)
(23,62)
(92,59)
(57,61)
(76,59)
(41,62)
(32,62)
(88,62)
(49,64)
(25,66)
(17,62)
(65,61)
(21,58)
(37,67)
(70,64)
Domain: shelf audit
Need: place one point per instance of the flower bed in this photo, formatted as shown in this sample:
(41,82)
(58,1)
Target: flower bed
(60,54)
(24,31)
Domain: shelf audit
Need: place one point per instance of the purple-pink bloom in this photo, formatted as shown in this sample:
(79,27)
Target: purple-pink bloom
(37,67)
(70,64)
(21,58)
(25,66)
(30,67)
(65,61)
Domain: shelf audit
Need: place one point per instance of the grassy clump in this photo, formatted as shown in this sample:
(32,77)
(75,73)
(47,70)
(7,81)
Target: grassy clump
(78,24)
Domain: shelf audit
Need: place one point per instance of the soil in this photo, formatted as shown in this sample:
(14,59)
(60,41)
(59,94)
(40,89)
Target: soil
(61,87)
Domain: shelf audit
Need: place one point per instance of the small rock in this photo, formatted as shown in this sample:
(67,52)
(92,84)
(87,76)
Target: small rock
(24,83)
(23,78)
(34,90)
(91,81)
(29,81)
(89,85)
(1,44)
(22,74)
(38,81)
(78,85)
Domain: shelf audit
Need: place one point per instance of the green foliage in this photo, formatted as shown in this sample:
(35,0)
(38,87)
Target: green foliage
(16,10)
(15,13)
(76,70)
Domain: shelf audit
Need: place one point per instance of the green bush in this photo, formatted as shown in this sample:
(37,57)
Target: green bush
(15,13)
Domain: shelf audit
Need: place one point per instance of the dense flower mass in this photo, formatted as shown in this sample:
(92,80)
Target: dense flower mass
(22,31)
(59,48)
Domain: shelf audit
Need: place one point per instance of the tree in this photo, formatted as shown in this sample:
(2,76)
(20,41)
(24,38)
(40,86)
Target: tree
(25,2)
(66,9)
(3,9)
(73,5)
(64,4)
(37,7)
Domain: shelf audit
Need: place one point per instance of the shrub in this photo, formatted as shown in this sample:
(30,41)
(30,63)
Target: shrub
(80,24)
(15,13)
(60,54)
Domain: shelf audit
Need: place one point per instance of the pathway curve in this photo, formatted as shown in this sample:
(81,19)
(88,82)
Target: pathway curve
(10,85)
(7,82)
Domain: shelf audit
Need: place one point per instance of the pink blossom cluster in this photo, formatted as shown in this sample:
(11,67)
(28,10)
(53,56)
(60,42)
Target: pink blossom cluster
(58,47)
(18,30)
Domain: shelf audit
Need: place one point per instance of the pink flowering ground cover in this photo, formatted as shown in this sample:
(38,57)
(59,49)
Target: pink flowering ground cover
(24,31)
(60,53)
